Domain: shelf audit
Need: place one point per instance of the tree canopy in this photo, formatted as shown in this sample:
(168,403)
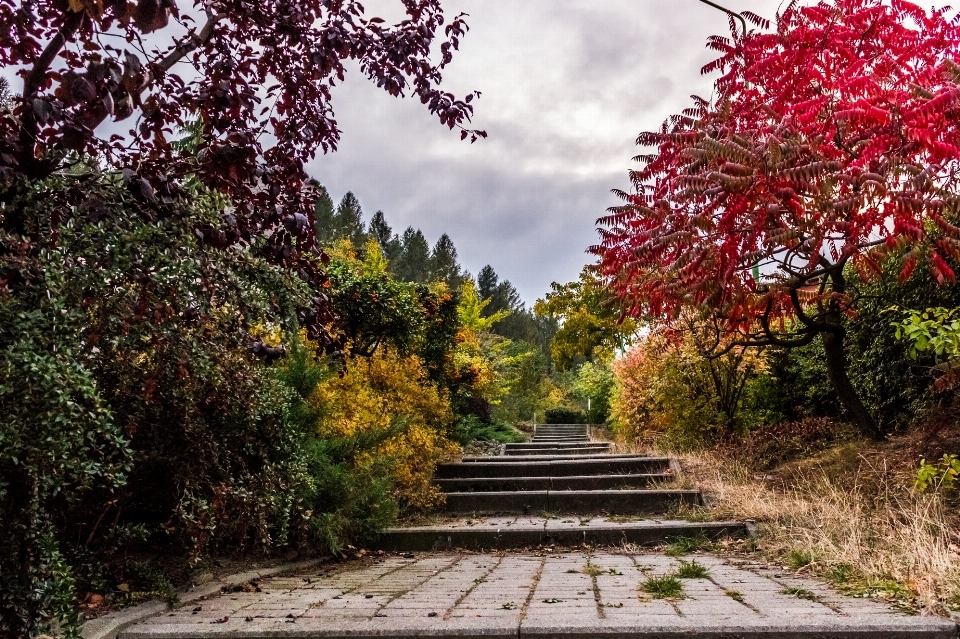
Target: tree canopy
(831,142)
(254,68)
(590,323)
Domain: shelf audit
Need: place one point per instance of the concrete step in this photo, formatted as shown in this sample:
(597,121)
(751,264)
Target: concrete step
(560,438)
(521,459)
(553,467)
(575,482)
(619,502)
(559,450)
(535,445)
(502,535)
(540,431)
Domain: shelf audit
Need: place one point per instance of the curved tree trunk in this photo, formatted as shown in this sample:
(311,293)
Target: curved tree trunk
(856,412)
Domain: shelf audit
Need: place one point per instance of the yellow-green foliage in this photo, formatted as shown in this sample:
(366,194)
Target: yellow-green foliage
(668,386)
(481,357)
(591,325)
(471,308)
(373,395)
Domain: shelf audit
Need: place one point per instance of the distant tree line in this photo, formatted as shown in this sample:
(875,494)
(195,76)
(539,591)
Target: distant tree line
(411,259)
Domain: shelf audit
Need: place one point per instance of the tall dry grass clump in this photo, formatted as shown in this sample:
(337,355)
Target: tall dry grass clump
(846,516)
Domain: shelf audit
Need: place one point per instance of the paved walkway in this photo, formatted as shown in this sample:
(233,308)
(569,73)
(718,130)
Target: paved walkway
(583,594)
(546,592)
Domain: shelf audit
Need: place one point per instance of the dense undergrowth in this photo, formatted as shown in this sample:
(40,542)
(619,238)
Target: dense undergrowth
(164,403)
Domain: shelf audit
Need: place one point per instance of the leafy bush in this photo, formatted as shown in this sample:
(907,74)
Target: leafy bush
(942,474)
(594,381)
(471,428)
(137,417)
(382,394)
(896,387)
(565,416)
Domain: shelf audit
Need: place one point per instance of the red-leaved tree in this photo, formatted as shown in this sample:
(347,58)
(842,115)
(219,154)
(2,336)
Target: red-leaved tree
(832,142)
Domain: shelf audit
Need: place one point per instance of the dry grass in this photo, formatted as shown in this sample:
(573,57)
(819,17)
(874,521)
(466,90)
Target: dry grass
(849,515)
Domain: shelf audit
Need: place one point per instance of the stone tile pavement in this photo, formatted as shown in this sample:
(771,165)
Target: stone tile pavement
(585,594)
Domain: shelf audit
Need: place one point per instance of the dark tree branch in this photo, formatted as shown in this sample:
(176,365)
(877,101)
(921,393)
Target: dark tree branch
(190,43)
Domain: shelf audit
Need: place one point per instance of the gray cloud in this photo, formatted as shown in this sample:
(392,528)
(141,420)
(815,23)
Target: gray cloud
(567,86)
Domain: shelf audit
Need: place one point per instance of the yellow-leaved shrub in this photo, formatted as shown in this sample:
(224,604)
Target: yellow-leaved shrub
(374,395)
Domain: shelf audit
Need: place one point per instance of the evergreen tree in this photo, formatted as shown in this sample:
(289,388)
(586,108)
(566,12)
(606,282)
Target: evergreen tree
(487,281)
(443,263)
(502,295)
(324,217)
(384,235)
(348,221)
(413,262)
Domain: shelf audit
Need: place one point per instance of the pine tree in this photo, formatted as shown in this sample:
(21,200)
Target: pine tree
(502,295)
(487,281)
(348,221)
(384,235)
(413,262)
(443,263)
(323,213)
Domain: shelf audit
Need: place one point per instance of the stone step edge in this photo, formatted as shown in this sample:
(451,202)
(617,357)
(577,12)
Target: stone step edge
(545,444)
(112,624)
(645,534)
(584,461)
(616,501)
(516,459)
(512,452)
(558,478)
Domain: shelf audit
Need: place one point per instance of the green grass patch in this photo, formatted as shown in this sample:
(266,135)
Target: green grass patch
(470,428)
(592,570)
(799,593)
(798,559)
(665,587)
(686,545)
(736,595)
(692,570)
(839,573)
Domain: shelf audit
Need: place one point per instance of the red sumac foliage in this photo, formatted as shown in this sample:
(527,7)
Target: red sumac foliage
(833,139)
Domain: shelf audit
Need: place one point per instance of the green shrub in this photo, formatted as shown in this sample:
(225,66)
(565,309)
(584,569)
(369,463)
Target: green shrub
(343,499)
(131,398)
(471,428)
(692,570)
(686,545)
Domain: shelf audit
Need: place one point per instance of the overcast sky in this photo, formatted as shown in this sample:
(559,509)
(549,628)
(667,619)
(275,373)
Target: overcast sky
(567,86)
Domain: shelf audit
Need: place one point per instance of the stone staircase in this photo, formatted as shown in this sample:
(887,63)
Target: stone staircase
(526,492)
(558,439)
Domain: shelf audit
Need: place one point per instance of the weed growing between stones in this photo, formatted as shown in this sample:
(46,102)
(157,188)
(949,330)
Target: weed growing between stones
(665,587)
(692,570)
(736,595)
(686,545)
(799,593)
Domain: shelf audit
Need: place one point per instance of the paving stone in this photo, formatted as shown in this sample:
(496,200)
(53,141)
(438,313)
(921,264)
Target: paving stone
(507,595)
